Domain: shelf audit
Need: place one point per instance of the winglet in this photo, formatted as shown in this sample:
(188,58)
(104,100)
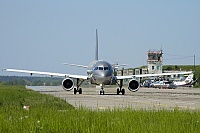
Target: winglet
(96,53)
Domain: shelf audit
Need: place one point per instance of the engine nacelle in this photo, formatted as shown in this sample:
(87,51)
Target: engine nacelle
(133,85)
(68,84)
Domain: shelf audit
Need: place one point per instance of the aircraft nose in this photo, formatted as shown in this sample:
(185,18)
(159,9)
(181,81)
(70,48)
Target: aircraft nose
(104,78)
(106,74)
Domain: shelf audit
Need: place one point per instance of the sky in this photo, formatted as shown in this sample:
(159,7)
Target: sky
(42,34)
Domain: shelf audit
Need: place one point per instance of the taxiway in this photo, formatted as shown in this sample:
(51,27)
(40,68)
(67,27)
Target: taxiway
(145,98)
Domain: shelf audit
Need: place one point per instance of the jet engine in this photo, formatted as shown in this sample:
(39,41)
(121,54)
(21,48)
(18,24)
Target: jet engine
(68,84)
(133,85)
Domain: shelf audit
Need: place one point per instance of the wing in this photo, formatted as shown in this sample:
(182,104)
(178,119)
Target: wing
(75,65)
(47,73)
(116,66)
(150,75)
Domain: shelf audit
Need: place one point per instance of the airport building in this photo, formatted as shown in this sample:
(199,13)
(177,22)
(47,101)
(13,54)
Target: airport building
(125,72)
(154,66)
(154,61)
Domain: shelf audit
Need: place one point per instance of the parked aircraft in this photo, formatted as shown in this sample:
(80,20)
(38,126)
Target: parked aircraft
(161,84)
(187,82)
(99,72)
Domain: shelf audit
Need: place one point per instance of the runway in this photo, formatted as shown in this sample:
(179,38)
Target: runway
(145,98)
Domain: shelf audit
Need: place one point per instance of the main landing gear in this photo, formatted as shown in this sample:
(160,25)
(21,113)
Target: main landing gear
(77,90)
(78,85)
(120,89)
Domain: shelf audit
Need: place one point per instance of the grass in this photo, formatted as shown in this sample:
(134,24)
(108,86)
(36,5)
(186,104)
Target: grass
(50,114)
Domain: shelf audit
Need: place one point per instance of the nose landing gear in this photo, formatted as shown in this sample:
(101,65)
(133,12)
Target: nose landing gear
(101,91)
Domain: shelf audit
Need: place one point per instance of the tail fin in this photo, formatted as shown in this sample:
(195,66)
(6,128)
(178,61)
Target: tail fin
(189,78)
(96,53)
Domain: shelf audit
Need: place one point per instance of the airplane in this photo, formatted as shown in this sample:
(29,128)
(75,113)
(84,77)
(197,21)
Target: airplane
(99,72)
(161,84)
(187,82)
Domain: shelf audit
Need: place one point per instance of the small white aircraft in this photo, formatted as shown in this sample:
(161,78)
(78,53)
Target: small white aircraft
(188,81)
(98,72)
(160,84)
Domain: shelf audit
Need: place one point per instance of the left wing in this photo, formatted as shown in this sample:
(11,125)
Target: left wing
(150,75)
(47,73)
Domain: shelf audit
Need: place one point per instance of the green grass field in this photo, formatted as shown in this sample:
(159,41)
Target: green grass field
(48,114)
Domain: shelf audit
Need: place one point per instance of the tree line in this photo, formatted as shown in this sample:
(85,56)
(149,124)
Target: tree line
(30,81)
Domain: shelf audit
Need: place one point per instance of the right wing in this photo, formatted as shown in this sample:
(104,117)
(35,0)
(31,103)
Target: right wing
(116,66)
(151,75)
(47,73)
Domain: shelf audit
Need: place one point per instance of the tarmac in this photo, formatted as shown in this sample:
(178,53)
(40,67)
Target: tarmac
(144,98)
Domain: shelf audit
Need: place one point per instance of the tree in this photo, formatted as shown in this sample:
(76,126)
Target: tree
(176,67)
(169,68)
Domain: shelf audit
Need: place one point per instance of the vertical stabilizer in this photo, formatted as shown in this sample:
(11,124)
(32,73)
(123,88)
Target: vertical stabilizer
(189,78)
(96,52)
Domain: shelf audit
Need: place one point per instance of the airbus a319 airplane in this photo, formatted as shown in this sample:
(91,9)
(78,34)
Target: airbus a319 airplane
(99,72)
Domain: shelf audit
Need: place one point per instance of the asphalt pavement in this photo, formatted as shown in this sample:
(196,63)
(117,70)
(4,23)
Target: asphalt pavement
(144,98)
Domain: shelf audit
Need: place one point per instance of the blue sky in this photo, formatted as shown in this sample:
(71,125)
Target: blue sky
(41,34)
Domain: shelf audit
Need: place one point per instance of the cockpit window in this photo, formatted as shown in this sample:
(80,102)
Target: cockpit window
(100,68)
(106,68)
(96,68)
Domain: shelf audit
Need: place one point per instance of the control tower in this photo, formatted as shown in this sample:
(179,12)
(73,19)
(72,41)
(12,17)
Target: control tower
(154,61)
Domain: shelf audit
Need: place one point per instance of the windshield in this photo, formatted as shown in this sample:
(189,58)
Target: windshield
(101,68)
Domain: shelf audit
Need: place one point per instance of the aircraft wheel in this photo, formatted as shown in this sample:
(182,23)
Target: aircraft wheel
(101,92)
(118,91)
(123,91)
(80,91)
(75,90)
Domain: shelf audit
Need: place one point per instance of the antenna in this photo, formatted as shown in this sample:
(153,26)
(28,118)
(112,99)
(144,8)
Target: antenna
(96,53)
(194,68)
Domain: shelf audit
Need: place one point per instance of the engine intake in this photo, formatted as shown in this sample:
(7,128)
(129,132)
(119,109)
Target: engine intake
(133,85)
(68,84)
